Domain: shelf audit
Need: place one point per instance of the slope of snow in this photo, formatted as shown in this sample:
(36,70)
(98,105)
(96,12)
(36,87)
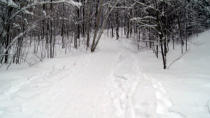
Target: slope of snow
(64,87)
(187,81)
(116,81)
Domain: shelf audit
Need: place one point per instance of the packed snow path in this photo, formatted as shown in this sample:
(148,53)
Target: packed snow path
(113,82)
(106,84)
(136,95)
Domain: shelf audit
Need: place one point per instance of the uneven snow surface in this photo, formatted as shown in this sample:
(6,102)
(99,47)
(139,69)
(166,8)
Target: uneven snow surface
(116,81)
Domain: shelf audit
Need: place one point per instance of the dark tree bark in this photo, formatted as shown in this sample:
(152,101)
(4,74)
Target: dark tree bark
(77,33)
(117,25)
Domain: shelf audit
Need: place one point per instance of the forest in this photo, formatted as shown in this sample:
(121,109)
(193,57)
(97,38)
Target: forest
(41,27)
(104,58)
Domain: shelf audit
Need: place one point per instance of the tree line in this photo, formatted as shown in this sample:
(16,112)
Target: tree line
(43,26)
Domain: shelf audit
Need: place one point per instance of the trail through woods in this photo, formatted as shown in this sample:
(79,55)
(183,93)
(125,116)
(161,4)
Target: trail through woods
(110,83)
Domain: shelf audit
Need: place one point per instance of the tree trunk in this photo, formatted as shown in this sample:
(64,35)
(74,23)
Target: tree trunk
(163,53)
(118,25)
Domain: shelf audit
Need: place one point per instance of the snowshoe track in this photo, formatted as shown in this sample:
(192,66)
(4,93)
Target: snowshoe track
(131,85)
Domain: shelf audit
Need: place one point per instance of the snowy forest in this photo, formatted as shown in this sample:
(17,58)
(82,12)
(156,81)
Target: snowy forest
(104,58)
(38,23)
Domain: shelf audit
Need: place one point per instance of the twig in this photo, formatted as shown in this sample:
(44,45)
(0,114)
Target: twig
(175,60)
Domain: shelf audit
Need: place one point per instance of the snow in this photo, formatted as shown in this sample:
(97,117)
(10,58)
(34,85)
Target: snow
(117,81)
(187,81)
(9,3)
(72,2)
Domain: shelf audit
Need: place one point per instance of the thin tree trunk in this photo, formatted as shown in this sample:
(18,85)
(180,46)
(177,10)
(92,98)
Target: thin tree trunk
(163,53)
(118,25)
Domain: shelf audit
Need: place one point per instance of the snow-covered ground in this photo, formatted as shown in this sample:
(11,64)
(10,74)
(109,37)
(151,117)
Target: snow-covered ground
(187,81)
(117,81)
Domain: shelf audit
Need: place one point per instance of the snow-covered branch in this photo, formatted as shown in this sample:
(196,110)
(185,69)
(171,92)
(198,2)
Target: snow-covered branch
(69,2)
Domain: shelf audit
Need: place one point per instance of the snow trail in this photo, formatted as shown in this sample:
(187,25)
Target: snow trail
(133,94)
(107,84)
(125,79)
